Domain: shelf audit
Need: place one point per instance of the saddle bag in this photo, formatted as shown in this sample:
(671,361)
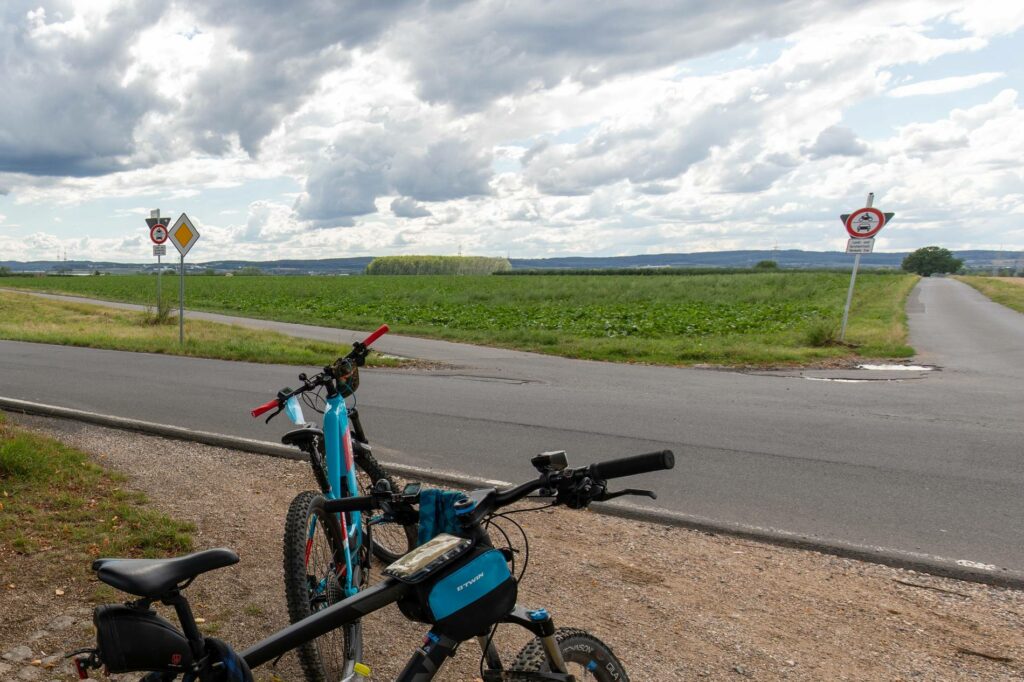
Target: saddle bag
(135,639)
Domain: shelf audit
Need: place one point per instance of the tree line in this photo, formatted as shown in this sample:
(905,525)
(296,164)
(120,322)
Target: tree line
(437,265)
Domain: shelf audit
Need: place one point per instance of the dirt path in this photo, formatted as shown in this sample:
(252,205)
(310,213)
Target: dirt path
(674,604)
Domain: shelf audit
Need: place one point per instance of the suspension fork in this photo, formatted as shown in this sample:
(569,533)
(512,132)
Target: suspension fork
(428,659)
(538,621)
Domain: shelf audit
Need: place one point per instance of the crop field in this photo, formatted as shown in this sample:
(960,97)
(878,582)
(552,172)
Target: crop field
(734,319)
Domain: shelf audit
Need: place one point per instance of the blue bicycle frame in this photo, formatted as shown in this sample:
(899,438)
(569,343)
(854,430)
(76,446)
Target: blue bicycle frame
(341,474)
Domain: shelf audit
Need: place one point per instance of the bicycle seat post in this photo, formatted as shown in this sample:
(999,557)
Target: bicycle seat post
(188,622)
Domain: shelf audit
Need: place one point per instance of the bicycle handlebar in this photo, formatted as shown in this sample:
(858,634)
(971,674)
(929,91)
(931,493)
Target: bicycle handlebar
(379,332)
(361,503)
(574,487)
(265,407)
(358,354)
(632,466)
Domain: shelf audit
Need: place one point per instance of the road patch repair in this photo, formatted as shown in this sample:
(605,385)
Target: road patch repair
(673,603)
(857,374)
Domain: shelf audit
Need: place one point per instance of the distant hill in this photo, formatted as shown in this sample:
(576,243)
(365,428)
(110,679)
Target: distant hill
(790,258)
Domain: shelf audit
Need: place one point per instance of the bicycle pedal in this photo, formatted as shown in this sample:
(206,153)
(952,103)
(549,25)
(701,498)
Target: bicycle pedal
(361,669)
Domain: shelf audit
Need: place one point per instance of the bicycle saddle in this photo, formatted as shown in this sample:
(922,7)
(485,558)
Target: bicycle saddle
(154,578)
(302,435)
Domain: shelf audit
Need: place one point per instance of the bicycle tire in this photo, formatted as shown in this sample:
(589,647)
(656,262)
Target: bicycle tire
(388,540)
(588,658)
(323,659)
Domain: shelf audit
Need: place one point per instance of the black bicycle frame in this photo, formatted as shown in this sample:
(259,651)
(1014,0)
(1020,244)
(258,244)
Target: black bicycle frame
(425,662)
(333,617)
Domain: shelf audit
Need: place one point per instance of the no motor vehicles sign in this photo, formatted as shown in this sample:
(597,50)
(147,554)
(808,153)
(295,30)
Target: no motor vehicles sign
(158,233)
(865,223)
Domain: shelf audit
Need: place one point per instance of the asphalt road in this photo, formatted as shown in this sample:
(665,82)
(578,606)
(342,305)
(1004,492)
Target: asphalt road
(929,462)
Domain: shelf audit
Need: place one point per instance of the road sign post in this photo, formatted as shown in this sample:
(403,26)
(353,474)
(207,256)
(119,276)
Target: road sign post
(158,235)
(183,234)
(862,225)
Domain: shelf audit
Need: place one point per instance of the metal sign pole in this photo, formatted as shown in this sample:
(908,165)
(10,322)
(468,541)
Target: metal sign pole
(181,303)
(853,280)
(159,268)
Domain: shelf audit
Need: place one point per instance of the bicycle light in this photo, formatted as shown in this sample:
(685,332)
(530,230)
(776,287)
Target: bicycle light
(554,460)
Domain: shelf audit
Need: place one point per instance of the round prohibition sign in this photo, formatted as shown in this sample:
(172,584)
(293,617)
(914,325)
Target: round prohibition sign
(865,222)
(158,233)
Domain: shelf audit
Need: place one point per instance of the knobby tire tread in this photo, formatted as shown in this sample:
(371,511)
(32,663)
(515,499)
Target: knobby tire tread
(531,657)
(296,589)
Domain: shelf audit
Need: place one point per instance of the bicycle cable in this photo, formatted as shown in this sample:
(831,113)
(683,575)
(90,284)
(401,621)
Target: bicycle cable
(314,401)
(526,562)
(490,522)
(526,539)
(487,645)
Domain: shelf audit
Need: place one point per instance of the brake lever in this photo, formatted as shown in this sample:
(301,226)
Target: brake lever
(272,415)
(628,491)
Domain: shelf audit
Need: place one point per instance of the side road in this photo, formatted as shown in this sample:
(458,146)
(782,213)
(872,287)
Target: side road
(674,604)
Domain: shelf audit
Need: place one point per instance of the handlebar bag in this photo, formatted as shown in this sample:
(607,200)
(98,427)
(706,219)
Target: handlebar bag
(135,639)
(347,374)
(461,592)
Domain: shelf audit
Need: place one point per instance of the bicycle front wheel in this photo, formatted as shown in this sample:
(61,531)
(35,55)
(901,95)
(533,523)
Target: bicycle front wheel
(587,658)
(314,564)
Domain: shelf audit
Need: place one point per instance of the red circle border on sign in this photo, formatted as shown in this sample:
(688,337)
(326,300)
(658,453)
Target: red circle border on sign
(153,230)
(866,235)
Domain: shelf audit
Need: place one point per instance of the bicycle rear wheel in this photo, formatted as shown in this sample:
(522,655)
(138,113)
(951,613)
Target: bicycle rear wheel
(587,657)
(314,564)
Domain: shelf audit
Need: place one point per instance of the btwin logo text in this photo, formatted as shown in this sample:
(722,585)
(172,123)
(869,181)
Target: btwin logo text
(469,582)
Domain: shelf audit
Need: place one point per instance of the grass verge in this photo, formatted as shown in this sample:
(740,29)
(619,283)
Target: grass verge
(55,499)
(1005,290)
(29,318)
(769,318)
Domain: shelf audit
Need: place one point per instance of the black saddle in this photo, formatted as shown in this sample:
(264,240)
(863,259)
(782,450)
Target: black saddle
(302,436)
(155,578)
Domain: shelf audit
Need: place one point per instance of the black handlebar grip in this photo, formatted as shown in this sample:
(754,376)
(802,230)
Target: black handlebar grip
(631,466)
(350,504)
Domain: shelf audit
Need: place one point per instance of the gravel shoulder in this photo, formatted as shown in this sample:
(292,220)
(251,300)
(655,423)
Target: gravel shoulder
(674,604)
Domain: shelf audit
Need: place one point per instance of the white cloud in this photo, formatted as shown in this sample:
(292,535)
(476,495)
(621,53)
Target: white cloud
(502,127)
(406,207)
(941,86)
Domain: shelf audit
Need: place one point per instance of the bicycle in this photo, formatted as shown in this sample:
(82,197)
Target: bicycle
(460,584)
(323,553)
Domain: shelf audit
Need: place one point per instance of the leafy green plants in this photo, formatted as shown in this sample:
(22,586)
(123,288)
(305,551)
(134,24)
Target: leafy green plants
(750,318)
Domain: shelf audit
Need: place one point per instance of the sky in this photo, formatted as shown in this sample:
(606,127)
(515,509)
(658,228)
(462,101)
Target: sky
(315,129)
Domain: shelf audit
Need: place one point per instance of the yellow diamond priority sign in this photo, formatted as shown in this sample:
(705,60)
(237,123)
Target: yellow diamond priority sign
(183,234)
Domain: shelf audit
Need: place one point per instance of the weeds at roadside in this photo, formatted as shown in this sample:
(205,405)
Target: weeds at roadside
(158,315)
(821,333)
(27,318)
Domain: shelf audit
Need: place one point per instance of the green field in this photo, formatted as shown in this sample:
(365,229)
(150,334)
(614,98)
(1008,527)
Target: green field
(1008,291)
(734,319)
